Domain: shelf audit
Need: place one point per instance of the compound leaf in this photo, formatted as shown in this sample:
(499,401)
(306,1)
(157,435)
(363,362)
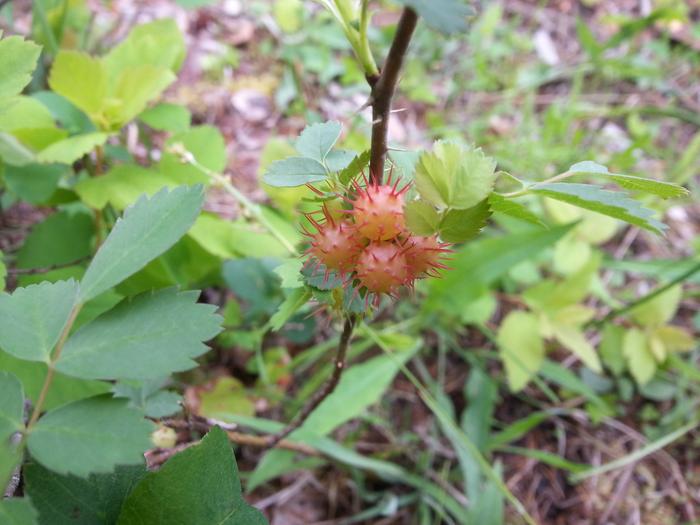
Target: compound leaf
(447,16)
(317,140)
(294,171)
(17,61)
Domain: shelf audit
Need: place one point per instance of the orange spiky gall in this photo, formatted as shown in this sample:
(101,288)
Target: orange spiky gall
(378,210)
(382,268)
(334,243)
(425,255)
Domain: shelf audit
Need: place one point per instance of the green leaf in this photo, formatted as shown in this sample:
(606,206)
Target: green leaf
(521,348)
(17,511)
(147,337)
(574,339)
(22,113)
(63,389)
(455,176)
(148,397)
(640,360)
(32,318)
(318,139)
(90,436)
(207,145)
(71,500)
(662,189)
(81,79)
(66,113)
(355,167)
(132,91)
(12,407)
(421,218)
(121,186)
(339,159)
(167,117)
(13,151)
(62,238)
(295,300)
(659,310)
(447,16)
(512,208)
(227,396)
(462,225)
(67,151)
(611,348)
(197,486)
(17,61)
(147,229)
(34,183)
(595,198)
(294,171)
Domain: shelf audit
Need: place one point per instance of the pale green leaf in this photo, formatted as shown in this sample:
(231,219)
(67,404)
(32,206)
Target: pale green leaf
(512,208)
(147,337)
(640,360)
(13,151)
(23,112)
(421,218)
(90,436)
(318,139)
(573,339)
(17,61)
(11,408)
(447,16)
(462,225)
(359,163)
(290,273)
(521,348)
(207,145)
(134,88)
(81,79)
(598,199)
(121,186)
(147,229)
(32,318)
(611,348)
(67,151)
(659,310)
(630,182)
(675,338)
(295,300)
(199,485)
(167,117)
(17,511)
(295,171)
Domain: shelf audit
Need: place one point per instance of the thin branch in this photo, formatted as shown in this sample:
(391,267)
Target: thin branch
(323,393)
(383,89)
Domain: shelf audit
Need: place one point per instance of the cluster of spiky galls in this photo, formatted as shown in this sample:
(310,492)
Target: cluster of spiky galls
(368,244)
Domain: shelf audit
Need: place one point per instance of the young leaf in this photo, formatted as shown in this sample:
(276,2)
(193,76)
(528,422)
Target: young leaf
(421,218)
(91,435)
(295,300)
(12,151)
(17,61)
(148,337)
(146,230)
(17,511)
(512,208)
(32,318)
(81,79)
(521,348)
(640,360)
(574,339)
(12,407)
(167,117)
(355,167)
(199,485)
(462,225)
(64,500)
(133,89)
(595,198)
(294,171)
(659,310)
(447,16)
(665,190)
(67,151)
(317,140)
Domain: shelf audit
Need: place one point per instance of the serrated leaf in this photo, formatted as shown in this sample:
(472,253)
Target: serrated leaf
(512,208)
(290,273)
(81,79)
(32,318)
(148,337)
(147,229)
(462,225)
(167,117)
(640,360)
(521,348)
(295,300)
(148,397)
(598,199)
(90,436)
(67,151)
(339,159)
(199,485)
(132,91)
(421,218)
(17,511)
(573,339)
(295,171)
(659,310)
(665,190)
(11,408)
(17,62)
(318,139)
(71,500)
(355,167)
(121,186)
(62,238)
(454,176)
(447,16)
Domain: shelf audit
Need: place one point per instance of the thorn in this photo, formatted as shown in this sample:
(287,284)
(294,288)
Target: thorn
(315,190)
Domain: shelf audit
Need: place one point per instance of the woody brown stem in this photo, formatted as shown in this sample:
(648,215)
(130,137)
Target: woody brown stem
(383,89)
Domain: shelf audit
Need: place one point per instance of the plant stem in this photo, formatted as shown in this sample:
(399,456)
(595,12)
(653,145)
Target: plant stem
(328,388)
(49,375)
(383,89)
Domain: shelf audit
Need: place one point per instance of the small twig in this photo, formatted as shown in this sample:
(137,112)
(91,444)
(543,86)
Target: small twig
(323,393)
(383,89)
